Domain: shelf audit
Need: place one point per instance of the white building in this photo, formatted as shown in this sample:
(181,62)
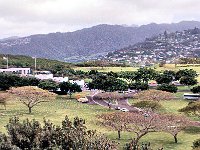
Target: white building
(43,75)
(20,71)
(60,79)
(81,83)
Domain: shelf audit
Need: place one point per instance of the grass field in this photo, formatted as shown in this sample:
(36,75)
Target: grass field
(106,69)
(57,109)
(118,69)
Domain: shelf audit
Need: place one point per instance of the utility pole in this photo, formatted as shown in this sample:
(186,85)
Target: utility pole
(35,63)
(7,61)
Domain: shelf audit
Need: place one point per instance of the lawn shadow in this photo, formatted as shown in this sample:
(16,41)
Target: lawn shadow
(192,130)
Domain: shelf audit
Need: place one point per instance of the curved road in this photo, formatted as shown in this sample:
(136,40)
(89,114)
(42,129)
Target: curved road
(122,103)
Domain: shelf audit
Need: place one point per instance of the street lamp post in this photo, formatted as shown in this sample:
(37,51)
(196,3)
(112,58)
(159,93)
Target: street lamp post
(35,64)
(6,58)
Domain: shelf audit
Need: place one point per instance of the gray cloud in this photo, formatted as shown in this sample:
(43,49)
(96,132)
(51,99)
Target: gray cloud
(24,17)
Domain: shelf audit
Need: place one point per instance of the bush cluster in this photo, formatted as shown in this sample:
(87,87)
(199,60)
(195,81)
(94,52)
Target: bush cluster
(71,135)
(196,144)
(148,104)
(168,88)
(10,80)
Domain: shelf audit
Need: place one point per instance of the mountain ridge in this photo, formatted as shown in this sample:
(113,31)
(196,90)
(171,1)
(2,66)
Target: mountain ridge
(87,43)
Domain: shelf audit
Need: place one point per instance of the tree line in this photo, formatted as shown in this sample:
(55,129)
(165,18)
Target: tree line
(139,80)
(10,80)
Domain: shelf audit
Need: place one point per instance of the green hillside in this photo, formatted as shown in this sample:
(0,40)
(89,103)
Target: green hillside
(26,61)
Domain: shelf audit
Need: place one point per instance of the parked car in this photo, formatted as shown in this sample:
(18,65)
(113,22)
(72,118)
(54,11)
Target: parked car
(124,109)
(83,100)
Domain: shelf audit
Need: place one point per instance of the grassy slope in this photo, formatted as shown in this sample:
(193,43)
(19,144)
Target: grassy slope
(26,61)
(56,111)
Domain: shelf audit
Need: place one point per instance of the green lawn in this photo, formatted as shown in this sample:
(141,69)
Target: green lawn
(118,69)
(57,109)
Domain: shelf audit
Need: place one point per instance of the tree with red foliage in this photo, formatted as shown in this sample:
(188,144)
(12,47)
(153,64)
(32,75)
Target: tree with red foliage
(31,95)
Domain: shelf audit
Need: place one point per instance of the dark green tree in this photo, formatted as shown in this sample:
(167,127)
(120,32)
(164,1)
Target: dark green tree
(112,74)
(168,88)
(185,73)
(11,80)
(49,85)
(93,72)
(170,73)
(108,83)
(58,69)
(189,81)
(138,86)
(196,89)
(145,74)
(128,75)
(67,87)
(163,78)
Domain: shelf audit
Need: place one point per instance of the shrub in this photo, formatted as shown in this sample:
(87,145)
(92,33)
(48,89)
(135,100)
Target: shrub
(5,143)
(133,146)
(71,135)
(196,144)
(139,86)
(196,89)
(148,104)
(168,88)
(192,108)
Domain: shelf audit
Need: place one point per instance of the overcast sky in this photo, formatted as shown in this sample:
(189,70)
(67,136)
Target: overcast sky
(26,17)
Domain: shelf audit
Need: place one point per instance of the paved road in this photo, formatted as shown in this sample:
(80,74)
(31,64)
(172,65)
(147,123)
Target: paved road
(122,103)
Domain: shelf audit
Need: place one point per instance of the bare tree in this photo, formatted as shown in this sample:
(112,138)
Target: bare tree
(154,95)
(109,96)
(174,124)
(139,123)
(115,121)
(31,96)
(142,124)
